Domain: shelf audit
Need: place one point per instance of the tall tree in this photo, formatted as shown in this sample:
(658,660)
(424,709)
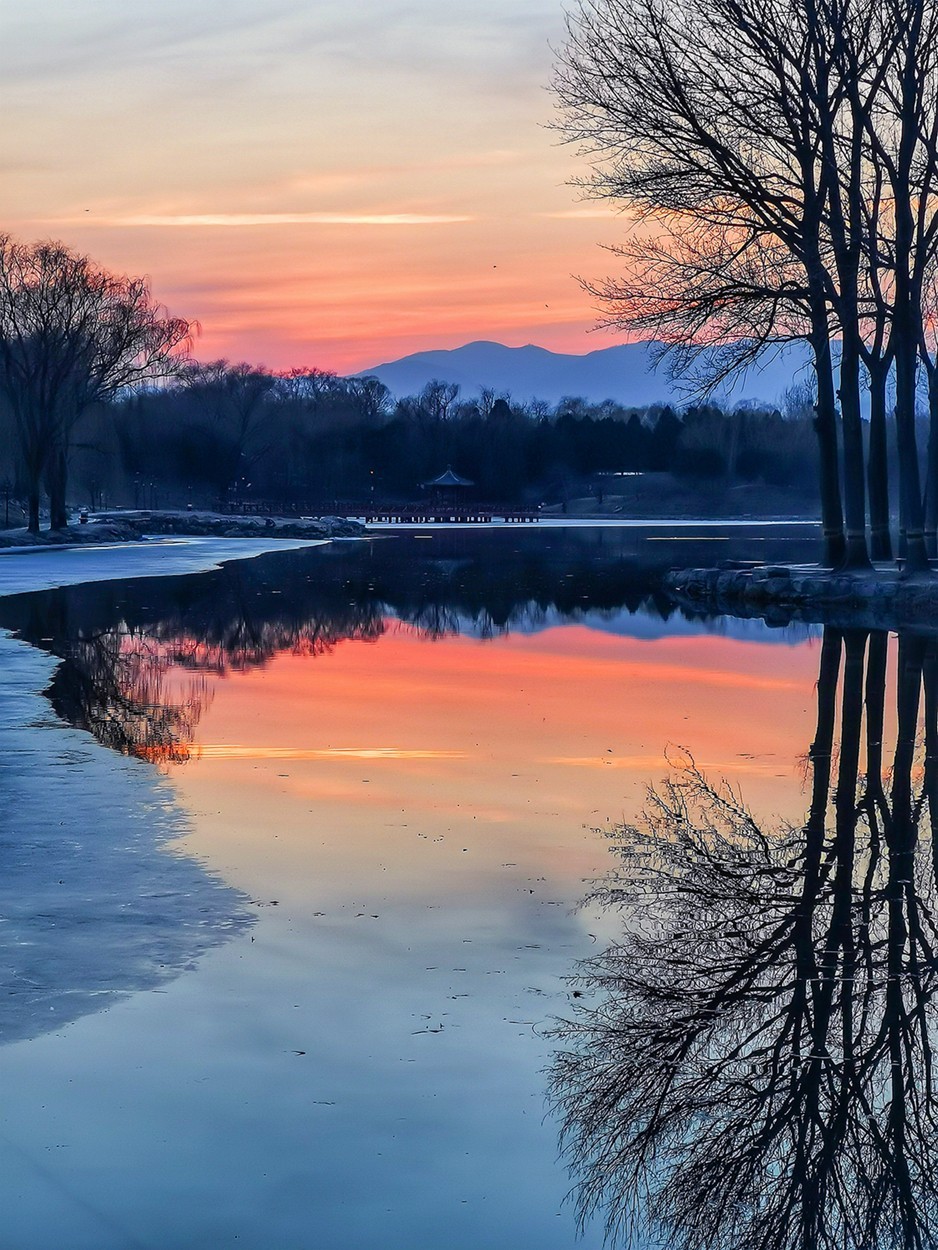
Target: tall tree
(805,126)
(717,298)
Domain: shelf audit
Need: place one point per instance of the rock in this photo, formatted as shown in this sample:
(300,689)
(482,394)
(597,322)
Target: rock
(780,595)
(779,587)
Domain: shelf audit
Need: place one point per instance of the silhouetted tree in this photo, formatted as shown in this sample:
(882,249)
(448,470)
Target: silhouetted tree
(786,154)
(72,335)
(232,401)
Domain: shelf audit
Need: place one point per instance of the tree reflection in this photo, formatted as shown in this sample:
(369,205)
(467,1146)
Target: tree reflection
(753,1063)
(125,684)
(117,686)
(136,655)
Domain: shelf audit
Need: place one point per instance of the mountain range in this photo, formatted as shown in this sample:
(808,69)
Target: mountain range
(625,373)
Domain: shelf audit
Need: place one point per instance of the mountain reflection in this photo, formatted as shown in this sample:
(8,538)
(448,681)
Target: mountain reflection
(752,1062)
(126,648)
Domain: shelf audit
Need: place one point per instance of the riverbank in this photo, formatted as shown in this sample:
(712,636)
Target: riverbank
(780,594)
(72,535)
(658,496)
(125,527)
(218,525)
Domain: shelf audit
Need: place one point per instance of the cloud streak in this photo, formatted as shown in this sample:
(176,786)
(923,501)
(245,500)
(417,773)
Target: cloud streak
(225,221)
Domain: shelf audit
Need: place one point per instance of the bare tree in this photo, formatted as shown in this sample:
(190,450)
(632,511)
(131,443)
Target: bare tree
(717,298)
(713,115)
(806,129)
(72,335)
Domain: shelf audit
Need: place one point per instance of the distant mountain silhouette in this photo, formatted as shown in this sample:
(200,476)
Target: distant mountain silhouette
(624,372)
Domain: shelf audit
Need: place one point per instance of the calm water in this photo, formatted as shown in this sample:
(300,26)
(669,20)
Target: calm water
(295,860)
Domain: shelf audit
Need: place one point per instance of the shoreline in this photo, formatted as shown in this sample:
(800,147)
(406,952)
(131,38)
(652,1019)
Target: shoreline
(110,528)
(118,529)
(121,852)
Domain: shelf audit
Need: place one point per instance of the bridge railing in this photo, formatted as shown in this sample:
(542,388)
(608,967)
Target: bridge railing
(421,513)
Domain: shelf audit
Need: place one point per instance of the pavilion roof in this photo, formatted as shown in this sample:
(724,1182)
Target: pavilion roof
(449,478)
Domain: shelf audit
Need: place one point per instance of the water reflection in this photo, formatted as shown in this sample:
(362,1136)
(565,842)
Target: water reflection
(124,645)
(114,685)
(752,1062)
(93,904)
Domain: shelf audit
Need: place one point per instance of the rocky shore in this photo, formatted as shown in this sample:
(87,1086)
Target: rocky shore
(779,594)
(217,525)
(136,526)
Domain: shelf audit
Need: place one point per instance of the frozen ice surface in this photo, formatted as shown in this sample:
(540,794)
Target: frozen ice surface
(23,569)
(92,903)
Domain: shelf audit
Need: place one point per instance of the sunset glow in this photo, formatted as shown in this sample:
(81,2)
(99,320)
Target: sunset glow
(584,722)
(316,185)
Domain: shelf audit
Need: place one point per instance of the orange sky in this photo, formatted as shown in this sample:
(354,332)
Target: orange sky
(329,184)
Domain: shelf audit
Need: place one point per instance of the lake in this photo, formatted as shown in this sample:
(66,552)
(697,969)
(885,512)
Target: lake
(307,860)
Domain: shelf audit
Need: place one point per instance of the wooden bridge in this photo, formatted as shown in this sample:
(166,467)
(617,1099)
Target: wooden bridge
(431,512)
(446,514)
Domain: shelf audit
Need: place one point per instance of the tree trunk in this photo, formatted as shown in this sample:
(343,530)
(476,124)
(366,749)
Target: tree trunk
(825,426)
(58,519)
(57,481)
(910,489)
(877,466)
(857,555)
(907,329)
(843,190)
(33,525)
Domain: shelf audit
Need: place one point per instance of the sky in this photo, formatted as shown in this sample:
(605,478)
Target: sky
(329,183)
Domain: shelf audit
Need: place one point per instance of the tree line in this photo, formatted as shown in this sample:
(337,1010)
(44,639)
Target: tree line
(779,159)
(102,402)
(232,432)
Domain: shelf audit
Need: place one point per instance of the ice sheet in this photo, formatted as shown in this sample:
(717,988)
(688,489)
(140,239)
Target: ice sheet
(23,569)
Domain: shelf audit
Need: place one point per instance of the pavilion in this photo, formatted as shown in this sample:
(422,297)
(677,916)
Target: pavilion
(446,487)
